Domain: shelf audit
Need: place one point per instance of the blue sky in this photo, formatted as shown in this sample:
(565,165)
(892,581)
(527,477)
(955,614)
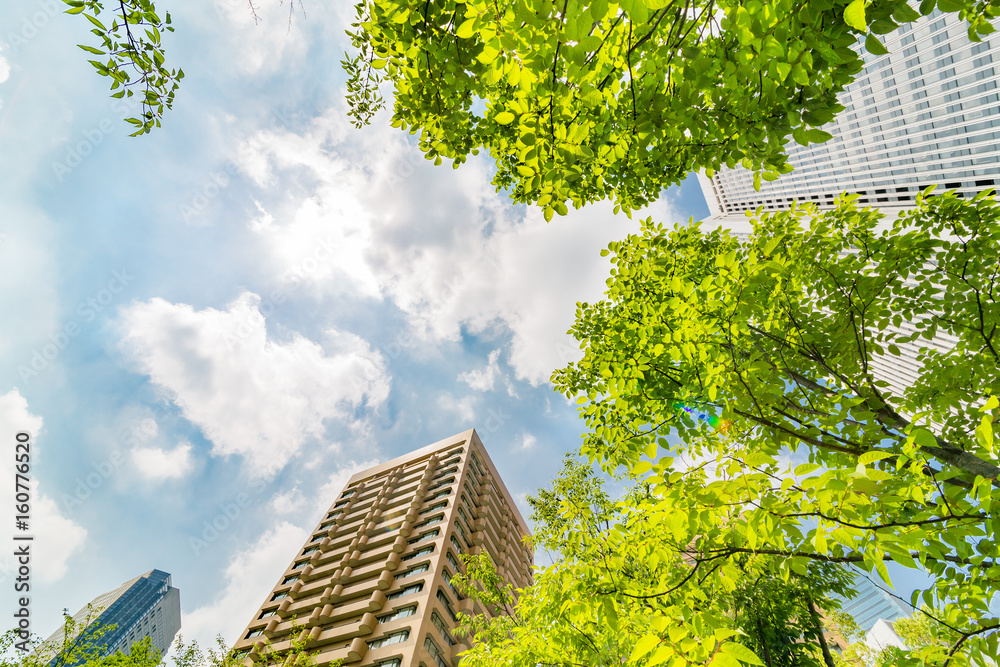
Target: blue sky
(235,313)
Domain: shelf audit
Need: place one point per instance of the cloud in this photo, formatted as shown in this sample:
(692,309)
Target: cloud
(527,441)
(4,69)
(249,576)
(464,407)
(251,395)
(483,380)
(287,502)
(499,268)
(156,463)
(56,538)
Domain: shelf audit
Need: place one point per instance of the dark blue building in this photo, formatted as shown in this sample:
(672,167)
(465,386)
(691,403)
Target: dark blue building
(147,606)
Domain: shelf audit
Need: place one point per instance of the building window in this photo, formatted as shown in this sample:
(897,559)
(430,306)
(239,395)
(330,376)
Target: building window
(454,562)
(455,543)
(446,603)
(399,613)
(435,652)
(391,662)
(278,596)
(426,536)
(290,579)
(418,554)
(447,580)
(439,494)
(255,633)
(435,506)
(442,628)
(447,471)
(442,483)
(431,521)
(300,564)
(310,550)
(419,569)
(269,612)
(392,638)
(409,590)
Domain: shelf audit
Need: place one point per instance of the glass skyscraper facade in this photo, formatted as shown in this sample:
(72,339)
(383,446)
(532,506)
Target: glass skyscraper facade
(146,606)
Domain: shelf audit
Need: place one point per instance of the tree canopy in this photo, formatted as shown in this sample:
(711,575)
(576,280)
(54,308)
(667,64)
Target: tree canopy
(738,380)
(583,100)
(626,591)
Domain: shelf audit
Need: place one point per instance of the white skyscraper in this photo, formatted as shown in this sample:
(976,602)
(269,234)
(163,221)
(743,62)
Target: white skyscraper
(927,113)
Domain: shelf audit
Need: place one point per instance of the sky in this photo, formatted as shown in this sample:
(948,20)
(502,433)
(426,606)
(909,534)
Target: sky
(220,322)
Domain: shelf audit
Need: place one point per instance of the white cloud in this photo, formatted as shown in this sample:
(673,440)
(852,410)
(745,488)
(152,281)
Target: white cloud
(287,502)
(441,244)
(249,576)
(251,395)
(4,69)
(56,538)
(464,407)
(526,441)
(484,379)
(156,463)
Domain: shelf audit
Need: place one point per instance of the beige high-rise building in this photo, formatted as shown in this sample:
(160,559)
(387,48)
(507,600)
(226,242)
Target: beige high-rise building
(371,585)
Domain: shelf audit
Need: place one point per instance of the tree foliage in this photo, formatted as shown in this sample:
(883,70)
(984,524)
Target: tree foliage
(82,644)
(583,100)
(627,589)
(130,53)
(739,380)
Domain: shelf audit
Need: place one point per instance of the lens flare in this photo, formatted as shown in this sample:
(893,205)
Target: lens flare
(715,422)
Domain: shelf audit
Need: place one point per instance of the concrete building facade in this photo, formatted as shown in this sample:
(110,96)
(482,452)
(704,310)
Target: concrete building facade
(372,584)
(146,606)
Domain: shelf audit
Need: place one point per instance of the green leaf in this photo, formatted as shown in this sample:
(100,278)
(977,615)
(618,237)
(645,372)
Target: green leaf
(645,644)
(466,30)
(741,653)
(91,49)
(641,468)
(874,46)
(984,433)
(815,136)
(873,456)
(854,16)
(504,118)
(924,438)
(805,469)
(903,13)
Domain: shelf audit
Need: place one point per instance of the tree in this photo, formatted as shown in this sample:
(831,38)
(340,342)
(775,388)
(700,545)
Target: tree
(920,632)
(134,59)
(738,379)
(583,100)
(81,644)
(624,591)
